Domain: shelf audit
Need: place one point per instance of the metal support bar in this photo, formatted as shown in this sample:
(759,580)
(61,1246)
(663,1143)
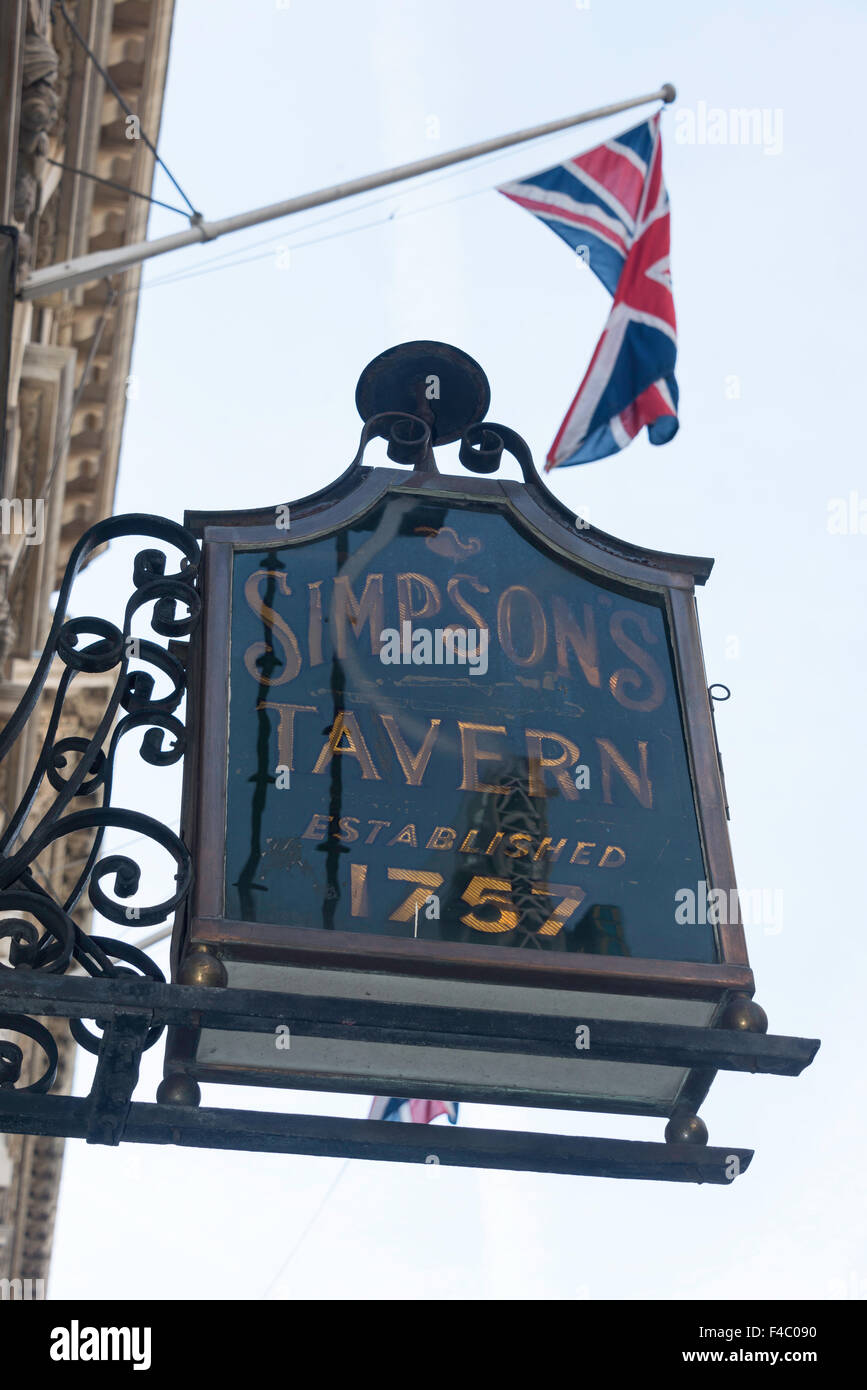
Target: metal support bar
(100,265)
(255,1131)
(261,1011)
(116,1077)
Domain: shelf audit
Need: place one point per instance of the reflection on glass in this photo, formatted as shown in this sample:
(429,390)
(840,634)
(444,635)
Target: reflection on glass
(438,730)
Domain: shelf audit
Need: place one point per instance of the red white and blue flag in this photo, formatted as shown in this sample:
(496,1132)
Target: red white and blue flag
(611,206)
(414,1112)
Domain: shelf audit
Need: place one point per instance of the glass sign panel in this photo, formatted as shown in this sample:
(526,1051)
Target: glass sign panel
(440,729)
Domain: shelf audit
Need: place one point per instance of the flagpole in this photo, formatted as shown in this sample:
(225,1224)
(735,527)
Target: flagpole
(83,270)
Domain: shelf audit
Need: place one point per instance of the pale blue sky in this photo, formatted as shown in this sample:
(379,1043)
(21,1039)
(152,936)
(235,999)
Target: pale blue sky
(245,384)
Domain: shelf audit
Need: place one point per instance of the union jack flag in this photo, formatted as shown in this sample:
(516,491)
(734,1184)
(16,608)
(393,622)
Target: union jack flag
(416,1112)
(611,206)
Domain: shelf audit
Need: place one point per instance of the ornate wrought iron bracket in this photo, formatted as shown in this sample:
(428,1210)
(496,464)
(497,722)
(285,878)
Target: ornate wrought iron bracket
(44,938)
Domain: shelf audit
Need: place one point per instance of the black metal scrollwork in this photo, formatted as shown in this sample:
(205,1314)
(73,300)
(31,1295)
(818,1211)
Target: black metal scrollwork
(409,441)
(12,1057)
(42,933)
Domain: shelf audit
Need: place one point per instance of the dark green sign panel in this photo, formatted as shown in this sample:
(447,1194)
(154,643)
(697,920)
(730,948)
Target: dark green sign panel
(440,728)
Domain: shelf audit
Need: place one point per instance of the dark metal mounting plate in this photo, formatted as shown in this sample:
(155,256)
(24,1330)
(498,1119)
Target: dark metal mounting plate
(442,385)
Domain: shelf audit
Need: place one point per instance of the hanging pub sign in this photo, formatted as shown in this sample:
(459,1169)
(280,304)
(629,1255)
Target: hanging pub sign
(451,746)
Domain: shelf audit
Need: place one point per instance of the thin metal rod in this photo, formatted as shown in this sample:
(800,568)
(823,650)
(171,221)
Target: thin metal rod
(309,1227)
(117,94)
(113,183)
(83,270)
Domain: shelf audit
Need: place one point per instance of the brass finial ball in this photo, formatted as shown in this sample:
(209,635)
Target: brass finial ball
(178,1089)
(685,1129)
(744,1015)
(200,967)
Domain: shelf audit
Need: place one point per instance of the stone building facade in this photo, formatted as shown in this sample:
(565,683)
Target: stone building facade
(68,375)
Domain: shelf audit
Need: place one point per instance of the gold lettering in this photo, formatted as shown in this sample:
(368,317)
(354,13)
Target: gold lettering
(582,847)
(346,726)
(572,899)
(428,881)
(443,837)
(546,851)
(430,602)
(377,826)
(273,623)
(537,622)
(488,893)
(314,830)
(638,782)
(286,728)
(370,609)
(461,603)
(606,863)
(518,851)
(473,755)
(567,634)
(569,755)
(405,837)
(626,679)
(414,768)
(358,889)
